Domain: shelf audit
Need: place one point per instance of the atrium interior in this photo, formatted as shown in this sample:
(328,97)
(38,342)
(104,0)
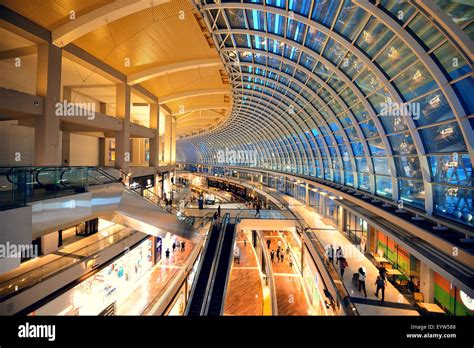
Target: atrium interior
(236,158)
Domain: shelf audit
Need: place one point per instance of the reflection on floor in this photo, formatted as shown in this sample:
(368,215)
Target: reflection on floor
(153,284)
(244,291)
(327,235)
(291,299)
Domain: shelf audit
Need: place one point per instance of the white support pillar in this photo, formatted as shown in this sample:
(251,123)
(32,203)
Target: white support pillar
(307,195)
(427,282)
(167,138)
(173,140)
(155,142)
(122,138)
(48,85)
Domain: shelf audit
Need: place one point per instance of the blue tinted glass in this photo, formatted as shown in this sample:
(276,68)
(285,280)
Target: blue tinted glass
(454,203)
(364,181)
(383,186)
(433,108)
(408,167)
(464,89)
(412,192)
(324,11)
(402,144)
(443,138)
(381,165)
(453,169)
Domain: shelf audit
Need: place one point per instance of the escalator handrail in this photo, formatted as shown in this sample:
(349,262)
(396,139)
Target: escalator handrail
(215,264)
(229,263)
(187,219)
(198,270)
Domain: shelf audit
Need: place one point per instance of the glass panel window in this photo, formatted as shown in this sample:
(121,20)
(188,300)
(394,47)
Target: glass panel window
(402,144)
(381,165)
(452,61)
(454,203)
(383,186)
(433,108)
(374,36)
(412,192)
(426,32)
(396,57)
(408,167)
(324,11)
(415,81)
(453,169)
(443,138)
(350,20)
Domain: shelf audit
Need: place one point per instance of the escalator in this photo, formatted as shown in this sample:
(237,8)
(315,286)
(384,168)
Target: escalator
(208,292)
(219,286)
(200,286)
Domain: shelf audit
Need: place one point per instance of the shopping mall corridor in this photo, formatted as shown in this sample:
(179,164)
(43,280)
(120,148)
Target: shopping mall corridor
(244,290)
(291,299)
(395,302)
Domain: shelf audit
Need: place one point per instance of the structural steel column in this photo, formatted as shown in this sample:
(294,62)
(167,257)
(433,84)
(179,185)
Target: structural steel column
(307,195)
(167,138)
(48,85)
(66,136)
(122,138)
(155,142)
(173,140)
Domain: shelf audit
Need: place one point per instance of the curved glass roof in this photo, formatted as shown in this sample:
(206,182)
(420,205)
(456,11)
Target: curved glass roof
(374,97)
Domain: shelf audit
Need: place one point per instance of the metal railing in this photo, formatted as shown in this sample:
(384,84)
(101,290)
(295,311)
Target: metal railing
(43,272)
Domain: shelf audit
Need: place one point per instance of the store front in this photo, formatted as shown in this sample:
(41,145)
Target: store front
(451,298)
(356,229)
(105,290)
(314,287)
(399,259)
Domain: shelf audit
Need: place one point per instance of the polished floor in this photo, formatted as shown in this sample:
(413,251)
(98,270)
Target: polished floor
(152,285)
(327,235)
(244,291)
(291,299)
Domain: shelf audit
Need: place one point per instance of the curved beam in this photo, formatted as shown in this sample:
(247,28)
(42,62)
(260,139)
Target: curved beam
(185,111)
(157,71)
(190,94)
(92,20)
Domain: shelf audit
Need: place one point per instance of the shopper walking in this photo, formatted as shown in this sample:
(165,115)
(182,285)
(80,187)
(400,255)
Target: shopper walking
(330,253)
(182,246)
(362,277)
(257,210)
(380,283)
(339,254)
(272,255)
(219,210)
(342,266)
(279,244)
(167,253)
(268,243)
(282,257)
(278,255)
(174,246)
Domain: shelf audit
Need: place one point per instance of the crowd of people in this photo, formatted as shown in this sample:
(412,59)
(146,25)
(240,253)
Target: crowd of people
(359,278)
(278,254)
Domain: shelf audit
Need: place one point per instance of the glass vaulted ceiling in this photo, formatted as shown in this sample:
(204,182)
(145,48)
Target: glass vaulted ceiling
(310,82)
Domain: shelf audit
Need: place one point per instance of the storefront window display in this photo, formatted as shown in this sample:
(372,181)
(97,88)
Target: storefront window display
(312,282)
(111,285)
(357,228)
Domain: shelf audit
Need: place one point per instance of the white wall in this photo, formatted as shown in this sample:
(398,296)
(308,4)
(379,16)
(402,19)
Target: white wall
(13,139)
(84,150)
